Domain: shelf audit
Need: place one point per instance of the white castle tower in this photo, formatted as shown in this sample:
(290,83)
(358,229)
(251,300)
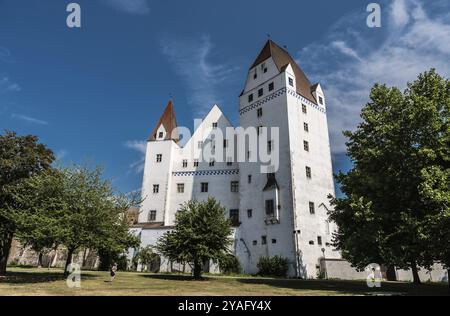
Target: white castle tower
(283,212)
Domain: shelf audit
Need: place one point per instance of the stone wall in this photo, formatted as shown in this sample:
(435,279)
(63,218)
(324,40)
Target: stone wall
(20,255)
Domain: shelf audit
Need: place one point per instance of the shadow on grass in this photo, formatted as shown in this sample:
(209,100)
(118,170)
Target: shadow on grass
(173,277)
(32,277)
(354,287)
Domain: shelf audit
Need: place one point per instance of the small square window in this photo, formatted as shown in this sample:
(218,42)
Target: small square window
(250,97)
(185,163)
(308,172)
(260,112)
(306,127)
(180,187)
(159,158)
(161,134)
(235,186)
(255,242)
(312,209)
(260,92)
(249,213)
(319,240)
(204,187)
(304,110)
(271,86)
(274,241)
(156,188)
(291,82)
(311,242)
(306,145)
(264,240)
(249,178)
(152,216)
(196,163)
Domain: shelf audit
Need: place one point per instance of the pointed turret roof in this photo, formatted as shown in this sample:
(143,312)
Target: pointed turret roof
(282,59)
(169,122)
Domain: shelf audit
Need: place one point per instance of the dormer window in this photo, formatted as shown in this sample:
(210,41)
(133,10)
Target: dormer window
(214,125)
(264,68)
(161,134)
(255,75)
(320,100)
(291,82)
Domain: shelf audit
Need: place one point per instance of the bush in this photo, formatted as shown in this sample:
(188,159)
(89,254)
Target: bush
(229,264)
(274,267)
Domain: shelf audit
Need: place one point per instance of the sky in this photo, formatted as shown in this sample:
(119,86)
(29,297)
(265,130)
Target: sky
(94,94)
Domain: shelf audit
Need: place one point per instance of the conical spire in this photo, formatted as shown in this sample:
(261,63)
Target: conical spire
(169,122)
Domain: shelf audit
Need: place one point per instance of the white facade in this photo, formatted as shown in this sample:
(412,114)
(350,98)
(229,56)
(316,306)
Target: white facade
(296,226)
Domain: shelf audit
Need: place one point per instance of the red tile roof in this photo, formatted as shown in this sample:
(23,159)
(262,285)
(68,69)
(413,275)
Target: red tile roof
(282,59)
(169,122)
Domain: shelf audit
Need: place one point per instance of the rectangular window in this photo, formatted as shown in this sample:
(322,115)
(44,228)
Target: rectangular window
(185,163)
(320,100)
(312,209)
(204,188)
(264,240)
(271,86)
(212,163)
(306,127)
(249,178)
(304,110)
(291,82)
(308,173)
(250,97)
(274,241)
(234,186)
(152,216)
(259,112)
(180,187)
(196,163)
(234,217)
(255,242)
(249,213)
(214,125)
(270,208)
(156,188)
(260,92)
(161,134)
(306,145)
(158,158)
(319,240)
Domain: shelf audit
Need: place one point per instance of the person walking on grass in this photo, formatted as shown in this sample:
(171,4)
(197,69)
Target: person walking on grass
(113,270)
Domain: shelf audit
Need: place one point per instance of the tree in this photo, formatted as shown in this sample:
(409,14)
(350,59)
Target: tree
(403,140)
(76,208)
(20,158)
(147,258)
(201,234)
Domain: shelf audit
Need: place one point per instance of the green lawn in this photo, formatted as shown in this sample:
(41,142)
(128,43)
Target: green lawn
(20,281)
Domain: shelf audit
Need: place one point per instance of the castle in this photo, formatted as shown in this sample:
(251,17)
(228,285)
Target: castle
(277,208)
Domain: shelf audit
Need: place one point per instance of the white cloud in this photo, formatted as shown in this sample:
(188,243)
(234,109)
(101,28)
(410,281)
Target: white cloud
(6,85)
(61,154)
(414,39)
(141,147)
(138,7)
(190,59)
(29,119)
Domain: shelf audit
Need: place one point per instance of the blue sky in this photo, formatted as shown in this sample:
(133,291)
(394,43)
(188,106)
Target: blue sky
(94,94)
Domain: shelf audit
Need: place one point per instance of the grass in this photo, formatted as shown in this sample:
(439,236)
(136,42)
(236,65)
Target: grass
(44,282)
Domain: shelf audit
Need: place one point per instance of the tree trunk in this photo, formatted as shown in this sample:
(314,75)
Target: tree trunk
(197,270)
(40,259)
(68,261)
(415,273)
(5,247)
